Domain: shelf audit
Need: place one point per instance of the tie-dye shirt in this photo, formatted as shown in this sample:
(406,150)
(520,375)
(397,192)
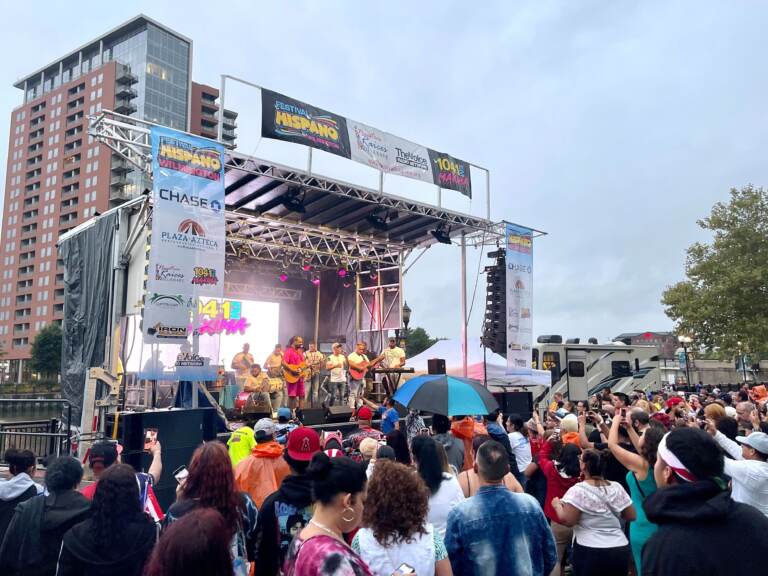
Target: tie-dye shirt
(498,532)
(323,556)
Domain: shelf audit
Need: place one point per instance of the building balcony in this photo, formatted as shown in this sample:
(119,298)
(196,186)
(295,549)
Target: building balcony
(120,165)
(126,92)
(120,193)
(125,107)
(209,107)
(124,76)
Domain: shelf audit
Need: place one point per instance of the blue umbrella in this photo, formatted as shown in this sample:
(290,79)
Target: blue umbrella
(446,395)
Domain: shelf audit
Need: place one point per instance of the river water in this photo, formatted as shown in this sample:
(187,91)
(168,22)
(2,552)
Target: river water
(26,412)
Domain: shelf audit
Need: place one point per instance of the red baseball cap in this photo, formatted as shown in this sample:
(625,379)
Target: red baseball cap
(364,413)
(303,443)
(674,401)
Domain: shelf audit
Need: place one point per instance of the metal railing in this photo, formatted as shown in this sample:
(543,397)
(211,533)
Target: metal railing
(48,437)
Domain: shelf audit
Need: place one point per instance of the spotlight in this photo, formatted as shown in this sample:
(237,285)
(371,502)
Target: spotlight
(293,201)
(315,280)
(306,267)
(283,277)
(378,221)
(441,234)
(342,272)
(374,274)
(347,284)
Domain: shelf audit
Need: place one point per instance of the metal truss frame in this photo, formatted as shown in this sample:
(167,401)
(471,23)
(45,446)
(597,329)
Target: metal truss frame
(130,138)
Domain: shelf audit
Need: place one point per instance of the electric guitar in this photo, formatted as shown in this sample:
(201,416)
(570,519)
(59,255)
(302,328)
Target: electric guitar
(359,374)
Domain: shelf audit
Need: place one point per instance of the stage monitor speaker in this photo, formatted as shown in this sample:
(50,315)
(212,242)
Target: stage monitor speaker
(179,432)
(337,414)
(313,416)
(436,366)
(515,403)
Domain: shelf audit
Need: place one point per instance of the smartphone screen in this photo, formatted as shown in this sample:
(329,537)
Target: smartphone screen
(181,474)
(150,437)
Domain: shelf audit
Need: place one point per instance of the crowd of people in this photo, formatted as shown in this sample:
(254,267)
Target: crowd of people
(646,484)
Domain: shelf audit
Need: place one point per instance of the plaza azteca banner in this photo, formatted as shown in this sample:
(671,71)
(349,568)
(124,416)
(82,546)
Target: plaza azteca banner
(284,118)
(186,260)
(519,257)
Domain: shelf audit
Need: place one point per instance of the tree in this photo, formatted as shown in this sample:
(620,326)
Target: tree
(417,340)
(725,298)
(46,351)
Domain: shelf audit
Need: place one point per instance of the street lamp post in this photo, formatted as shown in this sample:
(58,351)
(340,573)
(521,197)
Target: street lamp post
(685,341)
(406,317)
(742,359)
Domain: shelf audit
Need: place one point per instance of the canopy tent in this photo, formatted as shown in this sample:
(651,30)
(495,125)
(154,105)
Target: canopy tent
(450,351)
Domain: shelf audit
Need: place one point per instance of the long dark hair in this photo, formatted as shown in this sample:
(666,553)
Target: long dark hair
(651,439)
(428,462)
(568,460)
(211,482)
(195,545)
(115,504)
(399,443)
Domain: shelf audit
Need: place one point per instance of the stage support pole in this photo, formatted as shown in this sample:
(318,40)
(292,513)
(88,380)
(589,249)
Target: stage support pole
(463,304)
(317,315)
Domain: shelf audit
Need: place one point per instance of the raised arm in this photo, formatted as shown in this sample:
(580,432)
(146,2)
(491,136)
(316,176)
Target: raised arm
(629,460)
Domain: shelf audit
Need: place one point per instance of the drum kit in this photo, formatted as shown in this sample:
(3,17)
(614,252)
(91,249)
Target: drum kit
(249,402)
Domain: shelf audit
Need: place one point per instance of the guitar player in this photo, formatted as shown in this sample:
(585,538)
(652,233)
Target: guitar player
(359,364)
(294,364)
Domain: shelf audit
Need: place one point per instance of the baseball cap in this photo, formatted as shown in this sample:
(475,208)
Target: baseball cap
(284,412)
(364,413)
(756,440)
(303,443)
(674,401)
(730,411)
(103,452)
(265,425)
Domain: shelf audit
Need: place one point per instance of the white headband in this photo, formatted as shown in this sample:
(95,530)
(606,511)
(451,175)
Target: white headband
(673,461)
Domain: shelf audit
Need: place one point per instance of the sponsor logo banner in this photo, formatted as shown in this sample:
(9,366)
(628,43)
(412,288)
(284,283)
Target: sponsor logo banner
(188,231)
(389,153)
(284,118)
(519,286)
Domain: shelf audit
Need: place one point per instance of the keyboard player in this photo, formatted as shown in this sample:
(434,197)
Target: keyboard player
(394,358)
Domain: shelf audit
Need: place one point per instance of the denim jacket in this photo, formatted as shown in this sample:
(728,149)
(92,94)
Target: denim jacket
(498,532)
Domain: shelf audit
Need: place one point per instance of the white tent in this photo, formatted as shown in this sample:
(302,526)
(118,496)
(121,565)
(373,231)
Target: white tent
(450,351)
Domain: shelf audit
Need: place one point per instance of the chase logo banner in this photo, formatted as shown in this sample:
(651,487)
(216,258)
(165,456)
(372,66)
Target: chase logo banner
(284,118)
(188,231)
(519,284)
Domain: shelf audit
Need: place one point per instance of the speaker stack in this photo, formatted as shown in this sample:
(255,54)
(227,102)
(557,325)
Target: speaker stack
(436,366)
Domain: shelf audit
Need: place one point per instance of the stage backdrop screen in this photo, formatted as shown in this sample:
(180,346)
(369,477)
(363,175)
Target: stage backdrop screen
(224,326)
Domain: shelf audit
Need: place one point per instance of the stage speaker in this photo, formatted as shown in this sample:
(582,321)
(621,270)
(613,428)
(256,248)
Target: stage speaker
(436,366)
(338,414)
(179,432)
(515,403)
(313,416)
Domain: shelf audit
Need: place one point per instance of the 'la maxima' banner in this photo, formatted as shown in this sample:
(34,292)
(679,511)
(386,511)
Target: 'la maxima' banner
(186,259)
(284,118)
(519,256)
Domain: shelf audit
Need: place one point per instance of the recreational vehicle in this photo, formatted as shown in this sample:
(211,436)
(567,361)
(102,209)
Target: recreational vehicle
(581,370)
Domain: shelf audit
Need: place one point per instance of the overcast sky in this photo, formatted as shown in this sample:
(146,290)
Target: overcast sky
(611,125)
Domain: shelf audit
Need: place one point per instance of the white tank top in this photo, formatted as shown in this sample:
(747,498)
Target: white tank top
(418,554)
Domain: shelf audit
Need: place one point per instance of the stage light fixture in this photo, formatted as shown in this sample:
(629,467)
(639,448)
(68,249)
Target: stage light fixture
(315,280)
(442,234)
(306,267)
(283,277)
(294,201)
(378,220)
(374,274)
(342,272)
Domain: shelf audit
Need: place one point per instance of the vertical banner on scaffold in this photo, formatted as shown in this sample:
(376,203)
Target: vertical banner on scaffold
(519,246)
(188,234)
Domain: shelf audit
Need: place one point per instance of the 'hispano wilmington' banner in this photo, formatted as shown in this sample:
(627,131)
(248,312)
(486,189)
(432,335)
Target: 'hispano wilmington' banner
(186,258)
(284,118)
(519,246)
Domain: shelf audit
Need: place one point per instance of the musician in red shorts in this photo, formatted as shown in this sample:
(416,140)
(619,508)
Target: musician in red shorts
(293,366)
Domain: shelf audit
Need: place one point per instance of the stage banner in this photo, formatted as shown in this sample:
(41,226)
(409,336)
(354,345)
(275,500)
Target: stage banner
(284,118)
(519,277)
(186,260)
(449,172)
(389,153)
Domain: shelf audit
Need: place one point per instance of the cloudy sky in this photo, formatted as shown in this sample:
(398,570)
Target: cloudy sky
(613,126)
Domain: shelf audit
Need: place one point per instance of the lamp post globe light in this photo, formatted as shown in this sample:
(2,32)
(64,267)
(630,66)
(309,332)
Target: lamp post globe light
(406,318)
(684,342)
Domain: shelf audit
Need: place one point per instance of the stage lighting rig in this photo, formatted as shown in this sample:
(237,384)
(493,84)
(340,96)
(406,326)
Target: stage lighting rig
(442,234)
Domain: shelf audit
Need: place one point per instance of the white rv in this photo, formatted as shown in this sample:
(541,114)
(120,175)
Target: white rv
(581,370)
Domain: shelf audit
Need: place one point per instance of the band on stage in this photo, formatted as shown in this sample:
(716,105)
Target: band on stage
(307,378)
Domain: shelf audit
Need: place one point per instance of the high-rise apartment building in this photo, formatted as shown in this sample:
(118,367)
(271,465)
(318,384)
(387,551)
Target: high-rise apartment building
(58,176)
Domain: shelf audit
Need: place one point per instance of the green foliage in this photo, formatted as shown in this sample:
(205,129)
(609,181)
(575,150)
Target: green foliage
(417,340)
(46,351)
(725,298)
